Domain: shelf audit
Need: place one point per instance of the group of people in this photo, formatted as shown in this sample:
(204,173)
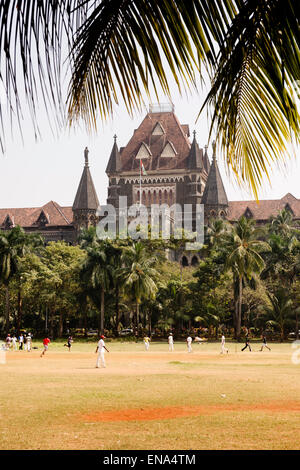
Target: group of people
(224,349)
(24,341)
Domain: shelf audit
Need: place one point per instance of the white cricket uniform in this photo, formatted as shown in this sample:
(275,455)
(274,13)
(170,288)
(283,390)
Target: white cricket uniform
(223,348)
(189,344)
(14,343)
(171,343)
(28,343)
(146,343)
(101,352)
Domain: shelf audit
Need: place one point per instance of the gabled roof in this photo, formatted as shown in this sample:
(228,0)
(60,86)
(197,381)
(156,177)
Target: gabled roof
(214,192)
(86,196)
(28,217)
(264,209)
(174,132)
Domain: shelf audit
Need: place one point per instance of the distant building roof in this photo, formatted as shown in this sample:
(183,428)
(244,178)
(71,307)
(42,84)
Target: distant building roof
(264,209)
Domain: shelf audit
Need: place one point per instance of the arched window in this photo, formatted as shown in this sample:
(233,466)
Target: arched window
(195,261)
(184,261)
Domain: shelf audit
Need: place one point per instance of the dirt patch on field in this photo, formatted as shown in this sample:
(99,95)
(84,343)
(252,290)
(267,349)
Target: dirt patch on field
(151,414)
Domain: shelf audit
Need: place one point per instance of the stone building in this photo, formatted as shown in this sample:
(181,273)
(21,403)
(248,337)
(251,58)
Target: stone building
(160,164)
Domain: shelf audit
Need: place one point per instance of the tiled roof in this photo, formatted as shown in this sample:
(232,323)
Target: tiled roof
(28,217)
(86,196)
(265,208)
(174,132)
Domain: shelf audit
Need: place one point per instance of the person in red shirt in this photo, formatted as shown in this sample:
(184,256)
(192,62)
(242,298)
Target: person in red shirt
(45,343)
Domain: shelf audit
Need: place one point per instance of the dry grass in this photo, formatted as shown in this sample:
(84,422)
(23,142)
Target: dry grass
(150,400)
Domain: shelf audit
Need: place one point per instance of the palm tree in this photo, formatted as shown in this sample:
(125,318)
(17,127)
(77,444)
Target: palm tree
(13,245)
(138,275)
(123,48)
(280,313)
(243,260)
(96,273)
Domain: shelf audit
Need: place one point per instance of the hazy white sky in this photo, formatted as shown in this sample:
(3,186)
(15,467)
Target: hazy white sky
(33,173)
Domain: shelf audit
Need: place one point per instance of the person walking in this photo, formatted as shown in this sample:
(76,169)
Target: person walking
(223,347)
(46,343)
(171,342)
(101,348)
(189,343)
(264,343)
(247,343)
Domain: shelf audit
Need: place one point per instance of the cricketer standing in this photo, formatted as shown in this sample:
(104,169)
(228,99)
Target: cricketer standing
(171,342)
(189,344)
(147,342)
(223,347)
(101,348)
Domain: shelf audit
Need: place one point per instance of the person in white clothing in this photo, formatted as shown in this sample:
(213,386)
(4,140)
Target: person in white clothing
(14,342)
(146,342)
(171,342)
(28,342)
(223,347)
(189,343)
(101,348)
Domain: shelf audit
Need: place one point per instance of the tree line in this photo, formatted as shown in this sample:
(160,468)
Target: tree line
(248,276)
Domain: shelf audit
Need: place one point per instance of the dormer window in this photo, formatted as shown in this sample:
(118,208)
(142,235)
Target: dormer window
(169,151)
(144,151)
(289,209)
(158,129)
(43,219)
(248,214)
(8,222)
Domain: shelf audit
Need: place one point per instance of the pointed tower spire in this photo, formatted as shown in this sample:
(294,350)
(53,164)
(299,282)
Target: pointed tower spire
(195,160)
(214,197)
(86,200)
(114,162)
(206,164)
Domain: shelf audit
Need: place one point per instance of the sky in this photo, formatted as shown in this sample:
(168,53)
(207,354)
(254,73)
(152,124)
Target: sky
(34,172)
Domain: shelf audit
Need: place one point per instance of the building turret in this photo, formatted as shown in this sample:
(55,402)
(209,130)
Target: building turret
(86,201)
(214,197)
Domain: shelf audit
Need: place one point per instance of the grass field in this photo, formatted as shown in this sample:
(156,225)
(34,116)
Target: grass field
(150,400)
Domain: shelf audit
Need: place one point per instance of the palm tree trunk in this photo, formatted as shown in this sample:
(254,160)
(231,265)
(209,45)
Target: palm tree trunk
(137,315)
(101,325)
(7,309)
(61,324)
(117,310)
(239,316)
(19,320)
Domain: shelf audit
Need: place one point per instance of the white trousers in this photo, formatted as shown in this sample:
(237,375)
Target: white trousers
(146,346)
(101,359)
(189,347)
(171,347)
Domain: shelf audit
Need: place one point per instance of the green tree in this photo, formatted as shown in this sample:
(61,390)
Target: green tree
(138,275)
(243,248)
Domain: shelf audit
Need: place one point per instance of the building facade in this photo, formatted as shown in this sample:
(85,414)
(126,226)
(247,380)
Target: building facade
(161,163)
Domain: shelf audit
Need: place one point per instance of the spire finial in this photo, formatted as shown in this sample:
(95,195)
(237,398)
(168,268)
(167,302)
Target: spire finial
(115,138)
(86,156)
(214,150)
(194,133)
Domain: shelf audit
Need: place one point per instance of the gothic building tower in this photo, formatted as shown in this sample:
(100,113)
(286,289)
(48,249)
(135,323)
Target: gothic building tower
(86,201)
(174,169)
(214,197)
